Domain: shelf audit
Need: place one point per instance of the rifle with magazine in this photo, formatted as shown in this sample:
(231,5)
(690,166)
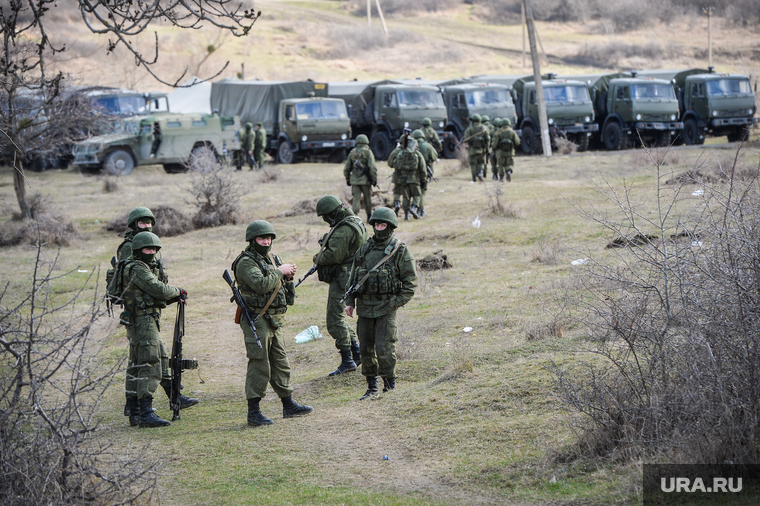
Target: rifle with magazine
(242,310)
(365,171)
(177,364)
(308,273)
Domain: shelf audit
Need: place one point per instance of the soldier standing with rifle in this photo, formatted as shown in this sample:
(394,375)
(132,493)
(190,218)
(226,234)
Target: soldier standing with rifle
(361,175)
(430,156)
(333,263)
(409,176)
(431,135)
(383,278)
(259,145)
(266,286)
(477,138)
(245,154)
(503,145)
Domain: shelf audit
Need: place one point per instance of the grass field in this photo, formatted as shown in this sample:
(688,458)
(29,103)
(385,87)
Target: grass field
(474,419)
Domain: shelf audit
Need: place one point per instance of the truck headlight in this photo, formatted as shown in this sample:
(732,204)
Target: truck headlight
(440,123)
(672,117)
(715,113)
(406,124)
(638,117)
(587,119)
(303,138)
(749,111)
(551,121)
(344,137)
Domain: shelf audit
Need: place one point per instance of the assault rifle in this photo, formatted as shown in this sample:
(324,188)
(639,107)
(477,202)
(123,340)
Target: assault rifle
(351,290)
(365,171)
(111,301)
(308,273)
(177,364)
(430,174)
(237,297)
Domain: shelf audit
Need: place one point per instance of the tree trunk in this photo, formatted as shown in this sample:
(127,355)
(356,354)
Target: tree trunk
(19,184)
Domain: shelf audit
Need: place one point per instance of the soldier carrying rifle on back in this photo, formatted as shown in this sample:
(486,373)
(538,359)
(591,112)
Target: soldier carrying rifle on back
(361,174)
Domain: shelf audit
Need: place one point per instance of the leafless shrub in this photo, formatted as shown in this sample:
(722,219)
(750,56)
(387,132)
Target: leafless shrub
(171,222)
(111,184)
(346,41)
(216,191)
(302,207)
(564,145)
(538,330)
(50,228)
(548,251)
(38,204)
(303,238)
(55,451)
(673,328)
(496,204)
(434,262)
(719,172)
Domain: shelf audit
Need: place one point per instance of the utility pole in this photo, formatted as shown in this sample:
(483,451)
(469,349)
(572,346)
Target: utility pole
(709,11)
(382,18)
(369,13)
(522,8)
(543,123)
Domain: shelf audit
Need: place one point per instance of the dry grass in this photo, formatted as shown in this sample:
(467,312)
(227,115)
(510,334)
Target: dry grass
(111,184)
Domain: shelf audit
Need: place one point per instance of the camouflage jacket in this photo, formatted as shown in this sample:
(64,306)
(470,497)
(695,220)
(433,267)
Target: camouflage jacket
(477,138)
(432,137)
(142,292)
(353,174)
(260,140)
(246,139)
(257,277)
(349,234)
(505,134)
(387,288)
(428,153)
(124,251)
(408,165)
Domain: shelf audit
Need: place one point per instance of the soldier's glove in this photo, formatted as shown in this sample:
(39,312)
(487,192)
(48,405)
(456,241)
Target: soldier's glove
(423,185)
(182,294)
(348,182)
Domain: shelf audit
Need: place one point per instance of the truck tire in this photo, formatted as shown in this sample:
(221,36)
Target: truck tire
(663,139)
(380,144)
(581,141)
(285,153)
(530,141)
(203,159)
(741,134)
(450,146)
(614,137)
(175,168)
(338,155)
(691,133)
(119,162)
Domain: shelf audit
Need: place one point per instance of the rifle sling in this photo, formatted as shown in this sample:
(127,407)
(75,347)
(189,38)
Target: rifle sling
(381,262)
(274,293)
(327,238)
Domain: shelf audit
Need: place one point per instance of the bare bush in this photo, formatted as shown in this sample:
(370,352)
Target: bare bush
(111,184)
(497,205)
(548,251)
(216,191)
(38,204)
(171,222)
(346,41)
(674,328)
(52,382)
(564,145)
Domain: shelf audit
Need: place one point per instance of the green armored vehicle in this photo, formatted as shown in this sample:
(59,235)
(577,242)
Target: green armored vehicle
(711,103)
(299,117)
(172,140)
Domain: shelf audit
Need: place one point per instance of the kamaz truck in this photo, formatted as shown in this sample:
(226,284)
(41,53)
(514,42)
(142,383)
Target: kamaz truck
(299,117)
(383,109)
(711,103)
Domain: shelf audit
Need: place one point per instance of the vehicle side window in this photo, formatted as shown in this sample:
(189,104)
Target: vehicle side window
(173,124)
(390,100)
(199,123)
(289,113)
(532,96)
(620,95)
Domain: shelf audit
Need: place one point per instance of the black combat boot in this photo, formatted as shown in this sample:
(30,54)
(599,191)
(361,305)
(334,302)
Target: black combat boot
(495,177)
(371,388)
(184,402)
(509,175)
(406,214)
(357,356)
(396,207)
(291,409)
(147,417)
(255,418)
(346,364)
(421,212)
(126,408)
(389,384)
(480,176)
(133,409)
(415,214)
(501,179)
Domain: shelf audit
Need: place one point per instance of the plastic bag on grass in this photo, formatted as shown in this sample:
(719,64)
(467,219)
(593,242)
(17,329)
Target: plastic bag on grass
(308,334)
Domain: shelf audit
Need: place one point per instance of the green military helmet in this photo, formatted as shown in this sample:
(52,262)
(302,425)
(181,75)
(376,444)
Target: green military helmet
(418,134)
(145,240)
(506,122)
(384,214)
(485,119)
(259,228)
(259,124)
(426,122)
(327,204)
(496,122)
(362,139)
(475,118)
(137,213)
(248,125)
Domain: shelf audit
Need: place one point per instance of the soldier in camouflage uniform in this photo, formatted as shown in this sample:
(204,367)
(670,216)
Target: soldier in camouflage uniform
(430,155)
(409,176)
(266,285)
(245,153)
(361,176)
(260,144)
(477,138)
(485,120)
(503,145)
(333,263)
(431,135)
(384,272)
(144,296)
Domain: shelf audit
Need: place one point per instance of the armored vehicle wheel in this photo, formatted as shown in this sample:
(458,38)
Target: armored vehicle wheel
(582,141)
(614,137)
(740,134)
(202,159)
(175,168)
(450,146)
(285,153)
(663,140)
(530,141)
(119,163)
(691,133)
(380,144)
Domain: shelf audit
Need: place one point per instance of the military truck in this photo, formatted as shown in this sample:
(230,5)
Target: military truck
(299,117)
(173,140)
(711,103)
(381,110)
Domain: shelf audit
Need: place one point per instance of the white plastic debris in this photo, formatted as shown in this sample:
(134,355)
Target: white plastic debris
(476,222)
(467,329)
(698,193)
(82,270)
(580,261)
(554,479)
(308,334)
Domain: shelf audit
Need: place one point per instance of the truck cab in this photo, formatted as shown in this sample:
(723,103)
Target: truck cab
(717,104)
(318,125)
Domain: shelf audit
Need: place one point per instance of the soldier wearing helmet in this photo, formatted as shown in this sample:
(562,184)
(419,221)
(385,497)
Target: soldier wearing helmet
(430,155)
(259,145)
(504,142)
(409,175)
(478,139)
(361,174)
(245,154)
(266,285)
(383,278)
(431,135)
(485,120)
(337,247)
(144,296)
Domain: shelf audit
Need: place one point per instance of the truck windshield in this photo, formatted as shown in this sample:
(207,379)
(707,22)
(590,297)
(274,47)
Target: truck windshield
(653,90)
(487,97)
(566,94)
(728,87)
(321,110)
(420,99)
(122,106)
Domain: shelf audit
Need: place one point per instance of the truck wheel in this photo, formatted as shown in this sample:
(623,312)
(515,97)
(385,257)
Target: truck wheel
(691,134)
(175,168)
(119,163)
(203,159)
(380,144)
(663,140)
(582,142)
(285,153)
(338,155)
(739,135)
(614,137)
(530,141)
(450,146)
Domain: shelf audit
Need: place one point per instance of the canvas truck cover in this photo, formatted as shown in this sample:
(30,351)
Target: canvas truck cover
(356,94)
(599,82)
(517,82)
(193,97)
(255,101)
(679,75)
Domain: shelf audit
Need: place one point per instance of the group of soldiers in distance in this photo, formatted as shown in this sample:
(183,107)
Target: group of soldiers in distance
(372,276)
(252,146)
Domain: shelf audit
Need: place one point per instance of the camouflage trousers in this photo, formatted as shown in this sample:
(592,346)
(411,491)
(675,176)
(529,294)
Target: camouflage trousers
(268,364)
(477,164)
(241,158)
(335,315)
(377,345)
(504,162)
(148,362)
(407,194)
(259,155)
(362,196)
